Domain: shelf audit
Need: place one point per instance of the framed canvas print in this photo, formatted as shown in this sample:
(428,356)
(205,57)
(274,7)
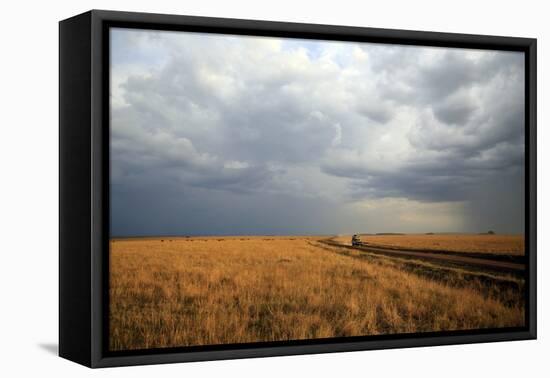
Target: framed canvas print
(234,188)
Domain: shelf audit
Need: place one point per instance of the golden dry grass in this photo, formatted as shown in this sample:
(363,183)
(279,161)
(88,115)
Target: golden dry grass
(473,243)
(199,291)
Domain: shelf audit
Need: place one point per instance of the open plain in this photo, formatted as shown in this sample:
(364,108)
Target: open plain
(184,291)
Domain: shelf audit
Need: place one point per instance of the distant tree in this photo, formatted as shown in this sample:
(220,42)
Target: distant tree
(490,232)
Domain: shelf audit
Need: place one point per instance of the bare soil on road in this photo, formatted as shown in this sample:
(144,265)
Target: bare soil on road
(485,260)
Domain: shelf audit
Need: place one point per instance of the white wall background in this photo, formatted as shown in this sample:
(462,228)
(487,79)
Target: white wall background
(29,186)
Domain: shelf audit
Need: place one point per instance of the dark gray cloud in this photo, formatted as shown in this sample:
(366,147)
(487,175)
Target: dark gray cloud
(219,135)
(455,111)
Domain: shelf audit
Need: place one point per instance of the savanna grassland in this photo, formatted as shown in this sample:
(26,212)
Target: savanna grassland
(469,243)
(199,291)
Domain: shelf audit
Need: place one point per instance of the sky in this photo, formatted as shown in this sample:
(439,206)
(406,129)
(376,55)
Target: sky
(236,135)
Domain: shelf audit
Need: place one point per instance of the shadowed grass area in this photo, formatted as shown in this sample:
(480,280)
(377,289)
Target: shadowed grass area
(200,291)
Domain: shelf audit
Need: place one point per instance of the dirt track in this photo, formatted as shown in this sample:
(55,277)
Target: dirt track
(436,256)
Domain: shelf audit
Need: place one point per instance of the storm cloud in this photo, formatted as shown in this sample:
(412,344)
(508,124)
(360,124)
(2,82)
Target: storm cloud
(219,134)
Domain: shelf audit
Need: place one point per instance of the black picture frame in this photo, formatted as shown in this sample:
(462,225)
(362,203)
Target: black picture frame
(84,186)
